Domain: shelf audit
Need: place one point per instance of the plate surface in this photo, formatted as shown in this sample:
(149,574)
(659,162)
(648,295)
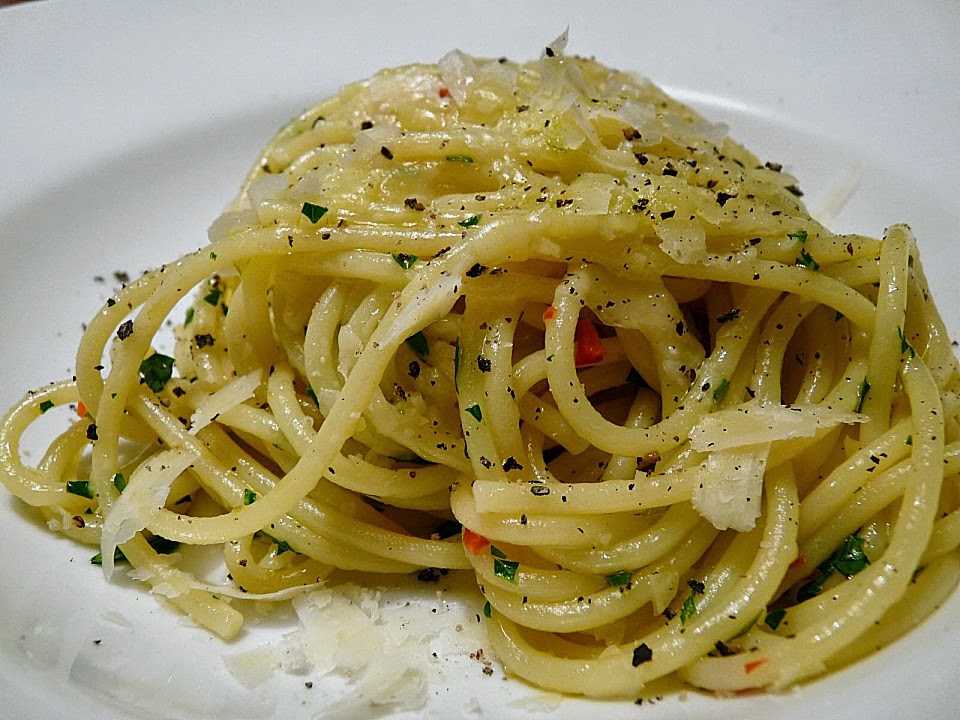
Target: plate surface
(127,127)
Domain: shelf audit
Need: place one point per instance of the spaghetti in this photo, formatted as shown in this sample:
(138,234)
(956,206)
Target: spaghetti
(544,323)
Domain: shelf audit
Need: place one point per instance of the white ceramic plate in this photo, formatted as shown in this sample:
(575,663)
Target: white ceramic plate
(127,127)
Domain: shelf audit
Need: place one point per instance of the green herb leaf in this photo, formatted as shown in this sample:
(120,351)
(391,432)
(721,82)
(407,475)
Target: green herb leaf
(774,618)
(905,347)
(720,392)
(213,256)
(476,412)
(862,394)
(119,482)
(313,212)
(848,560)
(418,343)
(404,260)
(161,545)
(689,608)
(800,235)
(213,297)
(249,496)
(156,371)
(619,579)
(506,569)
(313,396)
(456,366)
(189,317)
(806,259)
(470,221)
(497,552)
(80,487)
(487,612)
(909,440)
(460,158)
(46,405)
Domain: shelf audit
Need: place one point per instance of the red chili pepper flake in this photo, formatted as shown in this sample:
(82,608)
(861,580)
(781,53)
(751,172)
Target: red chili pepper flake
(550,313)
(443,92)
(474,542)
(753,665)
(81,409)
(801,560)
(588,349)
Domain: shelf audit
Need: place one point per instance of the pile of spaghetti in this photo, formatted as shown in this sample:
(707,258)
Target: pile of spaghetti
(543,323)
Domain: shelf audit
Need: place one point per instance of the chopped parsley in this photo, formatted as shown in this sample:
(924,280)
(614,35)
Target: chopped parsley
(46,405)
(689,608)
(905,347)
(212,297)
(456,366)
(119,482)
(80,487)
(313,396)
(619,579)
(806,259)
(418,343)
(470,221)
(476,412)
(189,318)
(156,371)
(720,391)
(862,394)
(774,618)
(460,158)
(848,560)
(249,496)
(404,260)
(800,235)
(506,569)
(161,545)
(313,212)
(486,609)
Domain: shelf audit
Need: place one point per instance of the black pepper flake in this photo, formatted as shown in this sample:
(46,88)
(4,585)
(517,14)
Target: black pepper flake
(668,214)
(413,369)
(795,190)
(92,432)
(549,51)
(680,328)
(125,330)
(366,125)
(728,316)
(669,170)
(111,302)
(631,133)
(696,586)
(511,464)
(385,151)
(723,649)
(413,204)
(430,574)
(641,158)
(641,654)
(722,198)
(486,462)
(178,391)
(477,270)
(484,364)
(204,340)
(540,490)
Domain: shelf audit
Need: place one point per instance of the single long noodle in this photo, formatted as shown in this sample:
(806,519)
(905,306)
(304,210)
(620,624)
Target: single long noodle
(544,323)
